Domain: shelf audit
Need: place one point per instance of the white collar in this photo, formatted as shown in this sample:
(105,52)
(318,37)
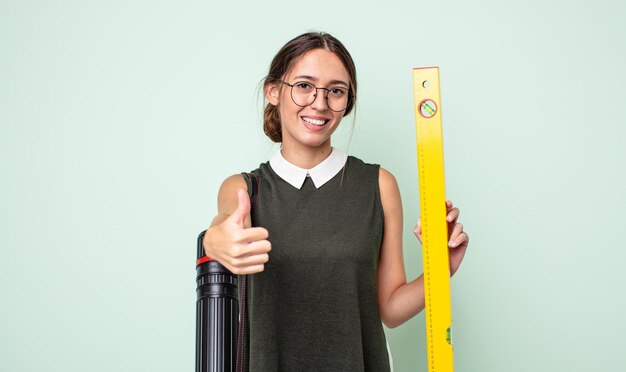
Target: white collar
(320,174)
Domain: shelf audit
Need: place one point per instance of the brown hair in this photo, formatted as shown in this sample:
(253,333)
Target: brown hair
(284,60)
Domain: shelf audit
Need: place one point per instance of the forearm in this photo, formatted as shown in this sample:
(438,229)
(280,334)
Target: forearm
(405,302)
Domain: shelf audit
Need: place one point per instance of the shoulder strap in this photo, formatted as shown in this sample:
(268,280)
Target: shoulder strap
(254,196)
(243,335)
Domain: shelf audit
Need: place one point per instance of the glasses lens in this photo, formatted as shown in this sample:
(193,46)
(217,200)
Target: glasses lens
(337,98)
(304,93)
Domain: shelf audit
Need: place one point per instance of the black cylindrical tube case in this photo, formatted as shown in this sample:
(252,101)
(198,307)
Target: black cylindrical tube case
(217,313)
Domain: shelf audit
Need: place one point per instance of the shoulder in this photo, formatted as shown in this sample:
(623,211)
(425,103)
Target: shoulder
(386,180)
(389,191)
(387,184)
(227,195)
(356,161)
(234,183)
(355,165)
(241,181)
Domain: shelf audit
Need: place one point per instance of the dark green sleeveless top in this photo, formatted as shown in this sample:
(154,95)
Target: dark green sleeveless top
(315,307)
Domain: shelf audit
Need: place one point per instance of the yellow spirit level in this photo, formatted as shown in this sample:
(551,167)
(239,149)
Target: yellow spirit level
(433,218)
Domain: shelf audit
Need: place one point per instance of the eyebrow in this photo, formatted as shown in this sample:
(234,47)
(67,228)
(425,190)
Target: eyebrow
(308,77)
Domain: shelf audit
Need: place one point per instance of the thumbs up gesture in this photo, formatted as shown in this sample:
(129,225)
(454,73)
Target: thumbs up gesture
(231,240)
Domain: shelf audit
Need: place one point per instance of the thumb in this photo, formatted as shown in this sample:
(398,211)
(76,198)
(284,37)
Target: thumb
(243,208)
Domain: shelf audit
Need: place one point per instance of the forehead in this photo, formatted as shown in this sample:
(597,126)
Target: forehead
(320,64)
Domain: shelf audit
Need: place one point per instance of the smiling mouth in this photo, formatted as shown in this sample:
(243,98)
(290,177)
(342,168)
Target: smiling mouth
(318,122)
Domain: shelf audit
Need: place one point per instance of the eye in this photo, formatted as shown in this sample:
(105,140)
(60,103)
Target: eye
(303,86)
(337,92)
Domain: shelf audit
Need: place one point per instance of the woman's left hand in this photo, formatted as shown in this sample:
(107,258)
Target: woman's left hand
(457,238)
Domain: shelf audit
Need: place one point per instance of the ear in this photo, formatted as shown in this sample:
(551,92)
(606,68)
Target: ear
(272,92)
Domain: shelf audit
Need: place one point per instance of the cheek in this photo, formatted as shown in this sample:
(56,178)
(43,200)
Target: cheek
(285,98)
(287,108)
(338,117)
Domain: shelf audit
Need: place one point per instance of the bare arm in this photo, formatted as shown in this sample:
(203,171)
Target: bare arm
(227,198)
(398,300)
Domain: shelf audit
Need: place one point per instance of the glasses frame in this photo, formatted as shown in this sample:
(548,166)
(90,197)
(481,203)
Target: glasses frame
(350,96)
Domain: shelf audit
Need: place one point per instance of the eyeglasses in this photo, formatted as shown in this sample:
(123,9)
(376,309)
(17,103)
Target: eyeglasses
(304,93)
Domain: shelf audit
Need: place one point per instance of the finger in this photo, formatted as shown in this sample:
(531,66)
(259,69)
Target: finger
(418,228)
(258,247)
(252,260)
(453,214)
(243,208)
(454,232)
(253,234)
(245,269)
(250,248)
(449,204)
(248,270)
(458,239)
(461,241)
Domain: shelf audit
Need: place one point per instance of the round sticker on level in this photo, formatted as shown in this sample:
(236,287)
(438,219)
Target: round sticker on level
(428,108)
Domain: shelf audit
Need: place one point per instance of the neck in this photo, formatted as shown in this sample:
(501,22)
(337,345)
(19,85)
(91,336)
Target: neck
(306,158)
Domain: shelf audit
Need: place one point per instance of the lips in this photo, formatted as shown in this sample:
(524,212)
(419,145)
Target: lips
(315,121)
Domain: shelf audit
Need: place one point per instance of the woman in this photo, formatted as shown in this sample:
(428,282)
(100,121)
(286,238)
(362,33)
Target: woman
(327,255)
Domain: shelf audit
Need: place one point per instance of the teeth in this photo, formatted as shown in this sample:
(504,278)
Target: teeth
(314,121)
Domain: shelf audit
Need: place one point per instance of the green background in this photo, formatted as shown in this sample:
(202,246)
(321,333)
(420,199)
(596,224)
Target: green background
(120,119)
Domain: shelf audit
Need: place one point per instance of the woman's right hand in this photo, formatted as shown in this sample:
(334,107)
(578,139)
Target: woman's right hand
(233,243)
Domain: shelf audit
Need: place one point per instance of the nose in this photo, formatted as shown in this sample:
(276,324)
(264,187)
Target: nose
(319,102)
